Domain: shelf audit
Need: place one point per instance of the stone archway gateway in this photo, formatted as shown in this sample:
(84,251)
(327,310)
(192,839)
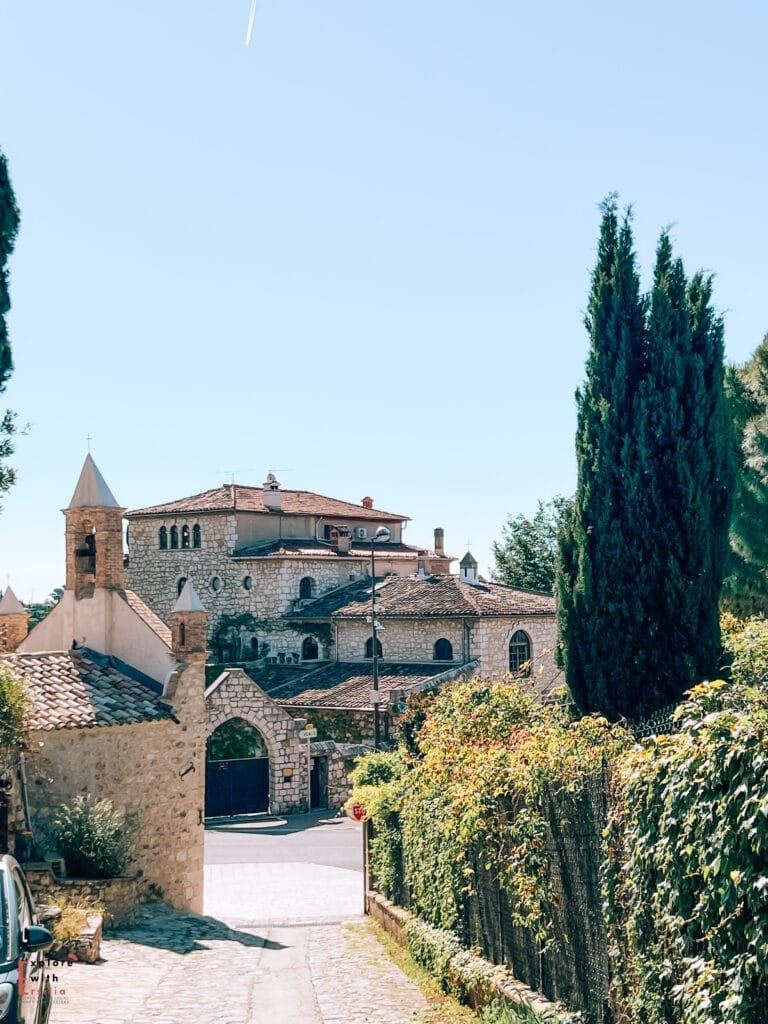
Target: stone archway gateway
(282,770)
(236,770)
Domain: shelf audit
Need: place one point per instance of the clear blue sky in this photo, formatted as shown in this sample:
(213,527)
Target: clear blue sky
(357,252)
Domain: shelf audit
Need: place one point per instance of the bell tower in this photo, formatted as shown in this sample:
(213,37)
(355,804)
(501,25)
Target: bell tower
(94,536)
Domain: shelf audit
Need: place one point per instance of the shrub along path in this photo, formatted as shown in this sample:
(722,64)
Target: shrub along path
(318,966)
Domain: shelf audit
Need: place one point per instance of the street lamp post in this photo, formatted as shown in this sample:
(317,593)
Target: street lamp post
(382,534)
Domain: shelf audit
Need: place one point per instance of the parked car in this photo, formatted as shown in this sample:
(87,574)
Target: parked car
(25,989)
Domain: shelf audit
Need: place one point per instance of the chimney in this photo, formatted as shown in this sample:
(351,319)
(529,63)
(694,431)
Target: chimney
(367,502)
(272,497)
(343,539)
(439,541)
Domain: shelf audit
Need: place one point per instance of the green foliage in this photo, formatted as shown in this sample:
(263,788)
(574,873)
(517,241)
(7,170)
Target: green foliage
(341,726)
(9,226)
(526,555)
(409,724)
(686,883)
(502,1012)
(233,740)
(73,920)
(13,705)
(746,649)
(642,556)
(458,971)
(39,609)
(745,590)
(490,756)
(94,838)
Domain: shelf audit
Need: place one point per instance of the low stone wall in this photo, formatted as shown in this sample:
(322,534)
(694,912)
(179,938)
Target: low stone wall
(119,898)
(501,983)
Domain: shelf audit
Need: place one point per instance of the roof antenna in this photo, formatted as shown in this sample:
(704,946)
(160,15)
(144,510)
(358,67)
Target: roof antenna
(251,18)
(231,472)
(88,442)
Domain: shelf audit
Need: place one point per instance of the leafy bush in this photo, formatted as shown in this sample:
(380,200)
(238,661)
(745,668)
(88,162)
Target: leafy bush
(686,883)
(490,756)
(746,649)
(13,705)
(74,918)
(94,838)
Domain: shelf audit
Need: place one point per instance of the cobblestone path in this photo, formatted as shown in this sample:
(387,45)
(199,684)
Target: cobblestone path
(171,968)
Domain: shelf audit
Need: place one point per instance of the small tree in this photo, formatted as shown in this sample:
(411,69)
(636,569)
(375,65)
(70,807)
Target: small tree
(9,225)
(526,555)
(13,706)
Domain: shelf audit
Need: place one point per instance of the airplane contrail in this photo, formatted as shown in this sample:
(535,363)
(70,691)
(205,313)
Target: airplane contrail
(249,31)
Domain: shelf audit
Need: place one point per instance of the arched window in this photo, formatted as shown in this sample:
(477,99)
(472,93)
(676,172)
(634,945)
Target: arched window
(163,538)
(443,650)
(182,635)
(215,584)
(185,536)
(520,654)
(309,649)
(180,585)
(306,588)
(196,536)
(369,648)
(174,536)
(248,583)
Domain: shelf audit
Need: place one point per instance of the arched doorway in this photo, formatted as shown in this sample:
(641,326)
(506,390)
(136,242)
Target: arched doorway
(236,770)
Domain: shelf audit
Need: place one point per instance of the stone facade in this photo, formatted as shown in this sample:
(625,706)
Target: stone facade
(143,768)
(483,639)
(490,645)
(13,630)
(118,897)
(235,695)
(402,640)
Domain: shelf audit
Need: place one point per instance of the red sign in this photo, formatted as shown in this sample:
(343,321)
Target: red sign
(358,812)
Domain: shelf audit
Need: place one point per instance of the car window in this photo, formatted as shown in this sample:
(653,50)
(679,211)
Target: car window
(22,901)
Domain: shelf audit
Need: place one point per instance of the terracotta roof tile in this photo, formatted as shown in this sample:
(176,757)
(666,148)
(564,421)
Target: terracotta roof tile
(154,622)
(237,497)
(76,689)
(339,685)
(432,596)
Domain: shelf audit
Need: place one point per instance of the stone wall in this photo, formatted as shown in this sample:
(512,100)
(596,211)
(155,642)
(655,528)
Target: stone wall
(402,639)
(236,695)
(139,768)
(412,640)
(490,643)
(118,897)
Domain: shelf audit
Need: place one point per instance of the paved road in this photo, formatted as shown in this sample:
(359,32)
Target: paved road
(284,942)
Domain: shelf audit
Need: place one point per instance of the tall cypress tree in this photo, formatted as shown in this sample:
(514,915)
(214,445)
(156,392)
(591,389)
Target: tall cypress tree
(642,557)
(9,225)
(745,591)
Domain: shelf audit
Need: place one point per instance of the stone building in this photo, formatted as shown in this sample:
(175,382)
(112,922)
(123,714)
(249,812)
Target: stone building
(258,554)
(287,577)
(116,702)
